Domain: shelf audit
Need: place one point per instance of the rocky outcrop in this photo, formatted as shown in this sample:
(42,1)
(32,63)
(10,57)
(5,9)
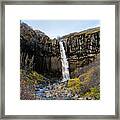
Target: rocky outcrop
(82,48)
(42,54)
(39,52)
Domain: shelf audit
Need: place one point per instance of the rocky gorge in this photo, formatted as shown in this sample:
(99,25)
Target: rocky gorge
(40,63)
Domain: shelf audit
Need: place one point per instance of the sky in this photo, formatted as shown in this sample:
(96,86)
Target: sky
(55,28)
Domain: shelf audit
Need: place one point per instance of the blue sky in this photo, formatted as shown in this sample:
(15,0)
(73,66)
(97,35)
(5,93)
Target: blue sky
(55,28)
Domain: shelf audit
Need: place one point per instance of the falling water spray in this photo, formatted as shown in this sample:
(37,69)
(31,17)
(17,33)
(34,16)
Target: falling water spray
(65,66)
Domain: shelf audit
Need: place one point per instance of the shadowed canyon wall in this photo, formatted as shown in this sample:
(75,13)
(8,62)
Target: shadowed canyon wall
(40,53)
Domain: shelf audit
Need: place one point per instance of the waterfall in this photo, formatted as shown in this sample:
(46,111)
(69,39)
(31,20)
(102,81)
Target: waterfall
(65,66)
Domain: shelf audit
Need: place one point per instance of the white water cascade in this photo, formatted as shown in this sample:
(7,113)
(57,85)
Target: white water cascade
(65,66)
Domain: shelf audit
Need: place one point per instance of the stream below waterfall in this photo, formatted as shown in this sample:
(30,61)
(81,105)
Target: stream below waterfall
(57,90)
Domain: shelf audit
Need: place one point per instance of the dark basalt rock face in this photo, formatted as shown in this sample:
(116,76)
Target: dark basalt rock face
(39,52)
(82,48)
(42,54)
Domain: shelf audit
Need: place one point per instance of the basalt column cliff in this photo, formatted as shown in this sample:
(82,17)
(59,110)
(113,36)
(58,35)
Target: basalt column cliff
(42,54)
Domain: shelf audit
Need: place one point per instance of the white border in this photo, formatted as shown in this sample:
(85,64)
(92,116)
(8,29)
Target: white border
(104,13)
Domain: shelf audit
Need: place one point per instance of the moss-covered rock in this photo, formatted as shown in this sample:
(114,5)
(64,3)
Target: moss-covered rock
(74,85)
(28,83)
(94,93)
